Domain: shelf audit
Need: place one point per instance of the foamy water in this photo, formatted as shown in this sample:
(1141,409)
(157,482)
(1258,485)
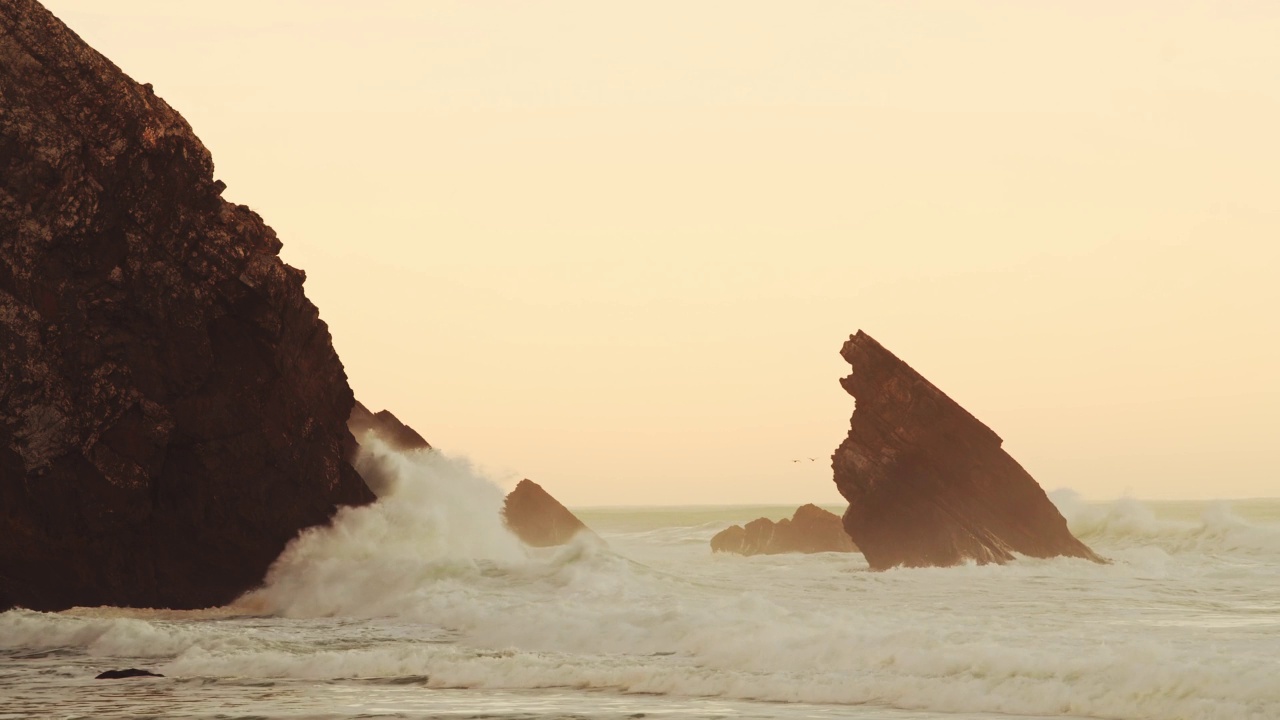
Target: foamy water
(423,605)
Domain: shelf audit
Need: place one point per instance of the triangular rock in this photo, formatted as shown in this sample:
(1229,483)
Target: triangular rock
(539,519)
(927,483)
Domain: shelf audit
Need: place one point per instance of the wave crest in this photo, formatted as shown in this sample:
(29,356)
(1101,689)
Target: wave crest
(1129,523)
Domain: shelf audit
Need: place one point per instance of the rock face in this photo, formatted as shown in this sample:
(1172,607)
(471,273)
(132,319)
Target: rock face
(172,411)
(539,519)
(927,483)
(386,426)
(810,530)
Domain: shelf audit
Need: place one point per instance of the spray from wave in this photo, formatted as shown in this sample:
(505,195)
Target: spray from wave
(428,584)
(435,518)
(1129,524)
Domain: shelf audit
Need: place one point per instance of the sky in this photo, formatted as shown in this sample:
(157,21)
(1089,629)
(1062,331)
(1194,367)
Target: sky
(616,247)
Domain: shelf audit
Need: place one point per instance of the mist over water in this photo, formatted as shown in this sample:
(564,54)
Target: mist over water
(423,604)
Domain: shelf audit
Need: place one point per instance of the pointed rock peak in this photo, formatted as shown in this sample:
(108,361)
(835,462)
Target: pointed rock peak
(537,518)
(927,483)
(388,428)
(173,411)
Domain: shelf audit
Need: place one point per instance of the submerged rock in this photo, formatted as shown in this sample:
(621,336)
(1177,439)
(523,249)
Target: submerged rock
(732,539)
(810,530)
(172,411)
(539,519)
(927,483)
(127,673)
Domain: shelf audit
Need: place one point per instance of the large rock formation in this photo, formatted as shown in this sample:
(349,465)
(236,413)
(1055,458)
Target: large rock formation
(810,530)
(927,483)
(172,412)
(537,518)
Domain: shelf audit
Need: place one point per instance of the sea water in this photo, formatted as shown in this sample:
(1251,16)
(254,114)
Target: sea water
(423,605)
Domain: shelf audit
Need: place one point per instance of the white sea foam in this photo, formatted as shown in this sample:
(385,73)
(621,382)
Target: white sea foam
(428,585)
(1128,523)
(436,519)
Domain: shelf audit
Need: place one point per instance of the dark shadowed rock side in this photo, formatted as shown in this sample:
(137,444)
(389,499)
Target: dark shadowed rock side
(927,483)
(127,672)
(387,427)
(810,530)
(172,412)
(537,518)
(378,473)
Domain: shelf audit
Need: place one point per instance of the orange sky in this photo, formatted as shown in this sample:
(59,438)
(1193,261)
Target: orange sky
(615,247)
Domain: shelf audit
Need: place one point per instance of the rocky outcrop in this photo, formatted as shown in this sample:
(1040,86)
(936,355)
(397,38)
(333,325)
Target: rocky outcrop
(539,519)
(172,411)
(387,427)
(810,530)
(927,483)
(380,472)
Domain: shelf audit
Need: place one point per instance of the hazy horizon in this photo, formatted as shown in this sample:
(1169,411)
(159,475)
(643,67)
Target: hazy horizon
(616,248)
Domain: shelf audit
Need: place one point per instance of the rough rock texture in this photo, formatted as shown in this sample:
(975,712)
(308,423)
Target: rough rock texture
(172,412)
(927,483)
(537,518)
(810,530)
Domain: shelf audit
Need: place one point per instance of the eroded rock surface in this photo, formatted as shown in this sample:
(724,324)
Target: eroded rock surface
(810,530)
(927,483)
(172,411)
(539,519)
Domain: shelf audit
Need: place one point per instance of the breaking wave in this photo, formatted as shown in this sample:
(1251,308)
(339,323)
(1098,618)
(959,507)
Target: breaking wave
(428,587)
(436,518)
(1129,523)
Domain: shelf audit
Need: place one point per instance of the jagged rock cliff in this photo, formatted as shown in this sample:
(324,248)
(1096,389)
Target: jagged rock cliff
(172,412)
(927,483)
(387,427)
(810,530)
(378,472)
(539,519)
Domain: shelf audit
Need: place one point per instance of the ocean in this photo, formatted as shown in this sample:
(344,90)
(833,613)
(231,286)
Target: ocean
(424,606)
